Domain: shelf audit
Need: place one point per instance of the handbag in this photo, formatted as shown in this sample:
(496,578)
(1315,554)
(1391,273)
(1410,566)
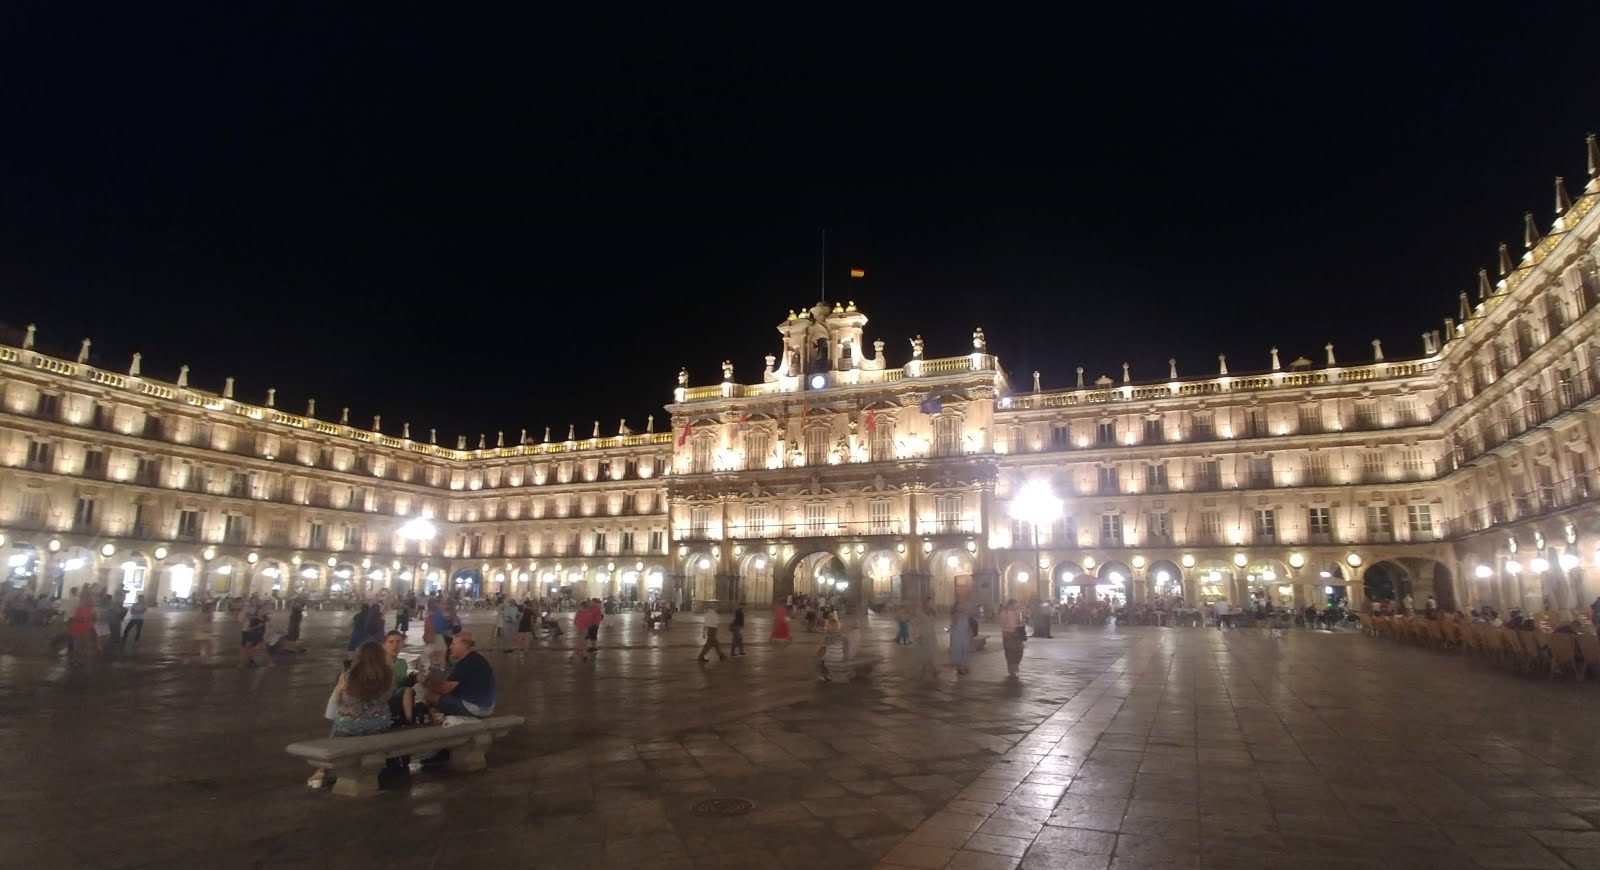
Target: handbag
(1022,632)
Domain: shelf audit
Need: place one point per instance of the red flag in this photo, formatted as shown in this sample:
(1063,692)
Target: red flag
(688,426)
(872,420)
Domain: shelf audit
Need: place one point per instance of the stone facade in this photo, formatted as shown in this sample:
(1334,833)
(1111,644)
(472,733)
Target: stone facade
(1468,473)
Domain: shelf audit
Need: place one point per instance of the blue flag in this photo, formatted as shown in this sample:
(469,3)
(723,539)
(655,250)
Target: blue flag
(932,405)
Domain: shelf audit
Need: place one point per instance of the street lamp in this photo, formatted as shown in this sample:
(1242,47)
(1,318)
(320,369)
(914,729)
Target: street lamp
(1035,504)
(417,530)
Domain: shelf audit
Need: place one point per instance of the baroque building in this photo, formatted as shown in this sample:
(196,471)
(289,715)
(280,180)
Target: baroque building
(1468,473)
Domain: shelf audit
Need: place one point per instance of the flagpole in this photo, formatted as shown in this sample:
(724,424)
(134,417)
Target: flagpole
(824,264)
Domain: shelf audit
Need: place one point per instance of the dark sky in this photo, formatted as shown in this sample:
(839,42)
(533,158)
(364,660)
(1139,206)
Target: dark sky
(480,220)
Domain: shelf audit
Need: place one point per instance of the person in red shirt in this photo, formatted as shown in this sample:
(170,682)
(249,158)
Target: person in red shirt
(80,632)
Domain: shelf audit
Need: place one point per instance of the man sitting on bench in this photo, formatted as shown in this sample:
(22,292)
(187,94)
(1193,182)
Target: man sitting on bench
(469,690)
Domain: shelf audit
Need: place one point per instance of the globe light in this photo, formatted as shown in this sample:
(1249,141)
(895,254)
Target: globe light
(1162,577)
(1483,572)
(1513,567)
(1539,565)
(818,382)
(107,550)
(1568,561)
(704,563)
(1022,576)
(418,529)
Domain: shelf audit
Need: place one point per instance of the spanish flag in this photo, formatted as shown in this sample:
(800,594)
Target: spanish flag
(858,273)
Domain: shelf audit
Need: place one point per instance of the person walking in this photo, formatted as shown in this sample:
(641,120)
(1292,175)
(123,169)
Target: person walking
(580,634)
(510,615)
(402,618)
(780,621)
(961,636)
(1013,633)
(902,620)
(1041,618)
(736,632)
(713,621)
(597,615)
(135,626)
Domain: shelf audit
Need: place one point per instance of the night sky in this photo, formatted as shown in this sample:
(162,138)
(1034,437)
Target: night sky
(480,220)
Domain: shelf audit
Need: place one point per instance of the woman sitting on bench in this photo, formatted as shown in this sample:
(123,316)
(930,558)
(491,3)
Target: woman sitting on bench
(359,704)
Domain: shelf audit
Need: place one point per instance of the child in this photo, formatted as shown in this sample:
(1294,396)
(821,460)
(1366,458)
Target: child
(832,651)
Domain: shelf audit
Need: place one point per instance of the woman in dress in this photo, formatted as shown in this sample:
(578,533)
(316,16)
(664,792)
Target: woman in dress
(359,704)
(780,622)
(960,636)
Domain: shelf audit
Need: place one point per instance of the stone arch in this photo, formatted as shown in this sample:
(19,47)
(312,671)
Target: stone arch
(881,571)
(1066,578)
(809,570)
(269,576)
(700,575)
(179,576)
(1264,576)
(345,578)
(1396,577)
(952,569)
(1114,578)
(226,575)
(1326,575)
(468,581)
(756,568)
(1020,580)
(1166,579)
(1213,580)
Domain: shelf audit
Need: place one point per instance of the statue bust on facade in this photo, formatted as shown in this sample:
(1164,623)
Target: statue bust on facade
(916,347)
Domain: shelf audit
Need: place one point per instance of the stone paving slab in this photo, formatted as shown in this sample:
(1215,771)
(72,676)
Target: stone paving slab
(1117,748)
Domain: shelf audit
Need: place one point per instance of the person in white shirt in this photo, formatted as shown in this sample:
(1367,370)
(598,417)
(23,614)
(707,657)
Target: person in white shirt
(713,622)
(1223,616)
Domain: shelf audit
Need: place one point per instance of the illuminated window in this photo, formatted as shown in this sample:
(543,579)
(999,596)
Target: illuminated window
(947,436)
(1419,519)
(817,446)
(879,520)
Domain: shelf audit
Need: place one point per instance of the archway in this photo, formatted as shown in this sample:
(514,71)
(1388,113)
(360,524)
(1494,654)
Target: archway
(268,577)
(1165,579)
(881,570)
(467,583)
(1066,581)
(1430,577)
(1112,581)
(1213,581)
(178,576)
(952,576)
(1267,580)
(76,567)
(819,573)
(1385,581)
(23,565)
(1332,583)
(345,579)
(226,576)
(699,576)
(756,568)
(130,574)
(1021,582)
(307,578)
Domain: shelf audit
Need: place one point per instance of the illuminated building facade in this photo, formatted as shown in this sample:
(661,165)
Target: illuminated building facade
(1468,473)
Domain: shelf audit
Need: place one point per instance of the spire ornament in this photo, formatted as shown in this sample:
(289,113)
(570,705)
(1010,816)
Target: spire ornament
(1563,200)
(1530,230)
(133,370)
(1594,156)
(1484,291)
(1505,260)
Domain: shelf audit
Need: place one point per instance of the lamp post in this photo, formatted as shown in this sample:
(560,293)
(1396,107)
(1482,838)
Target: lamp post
(1035,503)
(417,530)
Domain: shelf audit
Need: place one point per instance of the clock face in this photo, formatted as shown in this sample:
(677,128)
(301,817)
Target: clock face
(817,382)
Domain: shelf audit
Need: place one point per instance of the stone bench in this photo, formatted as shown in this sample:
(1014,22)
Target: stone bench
(979,642)
(356,761)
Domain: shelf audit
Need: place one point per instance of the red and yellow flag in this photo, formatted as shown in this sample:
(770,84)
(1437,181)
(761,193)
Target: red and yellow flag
(858,273)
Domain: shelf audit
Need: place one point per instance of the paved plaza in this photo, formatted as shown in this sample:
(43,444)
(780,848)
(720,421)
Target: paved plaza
(1120,748)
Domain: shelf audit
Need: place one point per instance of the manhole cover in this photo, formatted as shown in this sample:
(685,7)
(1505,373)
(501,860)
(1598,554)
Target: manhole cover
(723,807)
